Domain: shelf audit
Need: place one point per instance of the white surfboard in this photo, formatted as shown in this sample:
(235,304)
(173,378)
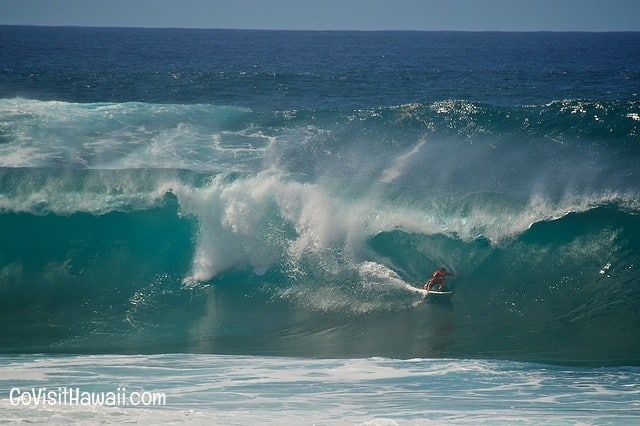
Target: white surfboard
(439,293)
(426,293)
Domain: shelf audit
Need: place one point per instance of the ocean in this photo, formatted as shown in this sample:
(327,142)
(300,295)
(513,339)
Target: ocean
(235,221)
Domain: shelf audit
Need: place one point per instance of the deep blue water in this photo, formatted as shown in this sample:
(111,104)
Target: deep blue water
(278,193)
(276,70)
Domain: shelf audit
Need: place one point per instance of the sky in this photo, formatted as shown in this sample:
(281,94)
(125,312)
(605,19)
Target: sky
(427,15)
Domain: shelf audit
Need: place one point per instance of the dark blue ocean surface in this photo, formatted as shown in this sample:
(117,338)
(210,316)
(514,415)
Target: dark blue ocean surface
(269,70)
(279,193)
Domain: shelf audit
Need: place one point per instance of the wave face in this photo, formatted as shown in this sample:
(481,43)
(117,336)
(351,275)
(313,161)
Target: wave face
(146,226)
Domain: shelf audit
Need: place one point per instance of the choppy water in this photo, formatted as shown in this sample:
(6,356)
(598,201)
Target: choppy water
(240,390)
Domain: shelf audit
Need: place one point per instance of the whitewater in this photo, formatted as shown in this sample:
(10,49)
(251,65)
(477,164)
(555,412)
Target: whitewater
(238,219)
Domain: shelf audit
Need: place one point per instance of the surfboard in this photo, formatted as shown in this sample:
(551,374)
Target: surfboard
(432,292)
(438,293)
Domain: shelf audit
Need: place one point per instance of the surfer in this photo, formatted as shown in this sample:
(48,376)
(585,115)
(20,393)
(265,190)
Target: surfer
(439,278)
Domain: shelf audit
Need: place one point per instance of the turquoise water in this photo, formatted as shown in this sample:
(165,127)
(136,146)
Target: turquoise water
(172,228)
